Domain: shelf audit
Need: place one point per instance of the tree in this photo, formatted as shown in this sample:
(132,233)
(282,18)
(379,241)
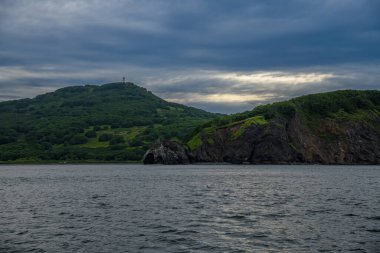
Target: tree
(90,134)
(78,139)
(104,137)
(117,139)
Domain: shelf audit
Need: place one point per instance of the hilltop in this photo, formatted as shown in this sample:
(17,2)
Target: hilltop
(341,127)
(110,122)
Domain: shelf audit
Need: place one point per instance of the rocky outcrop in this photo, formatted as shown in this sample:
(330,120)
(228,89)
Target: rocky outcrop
(167,152)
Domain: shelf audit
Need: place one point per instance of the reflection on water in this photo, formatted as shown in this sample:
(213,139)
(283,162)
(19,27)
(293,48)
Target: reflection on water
(194,208)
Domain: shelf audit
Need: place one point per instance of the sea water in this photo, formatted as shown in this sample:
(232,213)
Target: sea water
(192,208)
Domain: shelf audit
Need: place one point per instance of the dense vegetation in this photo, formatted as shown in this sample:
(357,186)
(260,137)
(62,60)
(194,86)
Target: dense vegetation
(112,122)
(344,105)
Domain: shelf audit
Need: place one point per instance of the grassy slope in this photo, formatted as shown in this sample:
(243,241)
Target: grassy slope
(54,126)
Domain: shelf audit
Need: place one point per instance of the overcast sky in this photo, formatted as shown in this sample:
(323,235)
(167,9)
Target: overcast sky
(222,56)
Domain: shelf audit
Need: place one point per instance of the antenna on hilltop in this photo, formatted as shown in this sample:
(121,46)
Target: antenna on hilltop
(123,79)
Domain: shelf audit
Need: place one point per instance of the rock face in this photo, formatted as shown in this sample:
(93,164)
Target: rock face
(285,141)
(167,152)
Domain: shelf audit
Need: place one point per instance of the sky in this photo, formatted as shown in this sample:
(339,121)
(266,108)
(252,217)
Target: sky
(223,56)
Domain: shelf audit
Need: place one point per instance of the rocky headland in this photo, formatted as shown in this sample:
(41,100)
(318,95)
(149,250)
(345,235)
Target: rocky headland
(341,127)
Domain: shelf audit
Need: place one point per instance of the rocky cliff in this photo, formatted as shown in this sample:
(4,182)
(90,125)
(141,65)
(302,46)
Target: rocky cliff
(290,141)
(340,127)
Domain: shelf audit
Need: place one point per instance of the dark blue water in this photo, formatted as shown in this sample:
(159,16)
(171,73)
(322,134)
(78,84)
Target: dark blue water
(202,208)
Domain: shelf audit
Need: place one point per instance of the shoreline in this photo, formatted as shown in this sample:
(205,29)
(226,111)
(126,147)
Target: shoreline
(216,163)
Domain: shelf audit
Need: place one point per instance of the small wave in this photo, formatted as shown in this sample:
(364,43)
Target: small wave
(191,202)
(169,231)
(172,240)
(236,217)
(96,196)
(373,230)
(350,215)
(274,215)
(187,232)
(36,250)
(357,249)
(67,227)
(74,216)
(256,236)
(103,205)
(373,218)
(319,211)
(86,241)
(199,206)
(22,232)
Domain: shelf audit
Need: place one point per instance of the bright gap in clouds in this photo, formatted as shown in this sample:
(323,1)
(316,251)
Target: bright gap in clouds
(220,98)
(276,77)
(246,85)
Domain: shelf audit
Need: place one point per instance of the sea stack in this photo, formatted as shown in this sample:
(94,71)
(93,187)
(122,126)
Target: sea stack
(167,152)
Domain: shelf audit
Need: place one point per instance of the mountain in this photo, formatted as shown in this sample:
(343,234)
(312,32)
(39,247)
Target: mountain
(341,127)
(111,122)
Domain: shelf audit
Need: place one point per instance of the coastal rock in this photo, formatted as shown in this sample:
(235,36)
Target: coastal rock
(167,152)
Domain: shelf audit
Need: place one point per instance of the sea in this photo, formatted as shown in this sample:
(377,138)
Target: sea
(189,208)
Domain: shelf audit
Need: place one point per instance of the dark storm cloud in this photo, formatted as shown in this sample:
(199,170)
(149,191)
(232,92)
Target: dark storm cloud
(190,49)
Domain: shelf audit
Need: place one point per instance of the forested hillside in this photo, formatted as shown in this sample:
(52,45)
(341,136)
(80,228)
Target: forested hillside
(111,122)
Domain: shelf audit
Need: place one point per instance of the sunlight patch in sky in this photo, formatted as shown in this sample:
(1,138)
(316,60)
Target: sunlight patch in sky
(275,77)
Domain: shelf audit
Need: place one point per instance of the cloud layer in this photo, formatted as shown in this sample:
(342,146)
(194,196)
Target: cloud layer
(220,55)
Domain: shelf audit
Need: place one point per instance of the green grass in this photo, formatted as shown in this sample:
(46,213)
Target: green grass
(209,130)
(195,142)
(293,147)
(94,143)
(129,134)
(257,120)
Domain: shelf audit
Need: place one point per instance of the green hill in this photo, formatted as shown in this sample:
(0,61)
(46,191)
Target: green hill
(111,122)
(333,127)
